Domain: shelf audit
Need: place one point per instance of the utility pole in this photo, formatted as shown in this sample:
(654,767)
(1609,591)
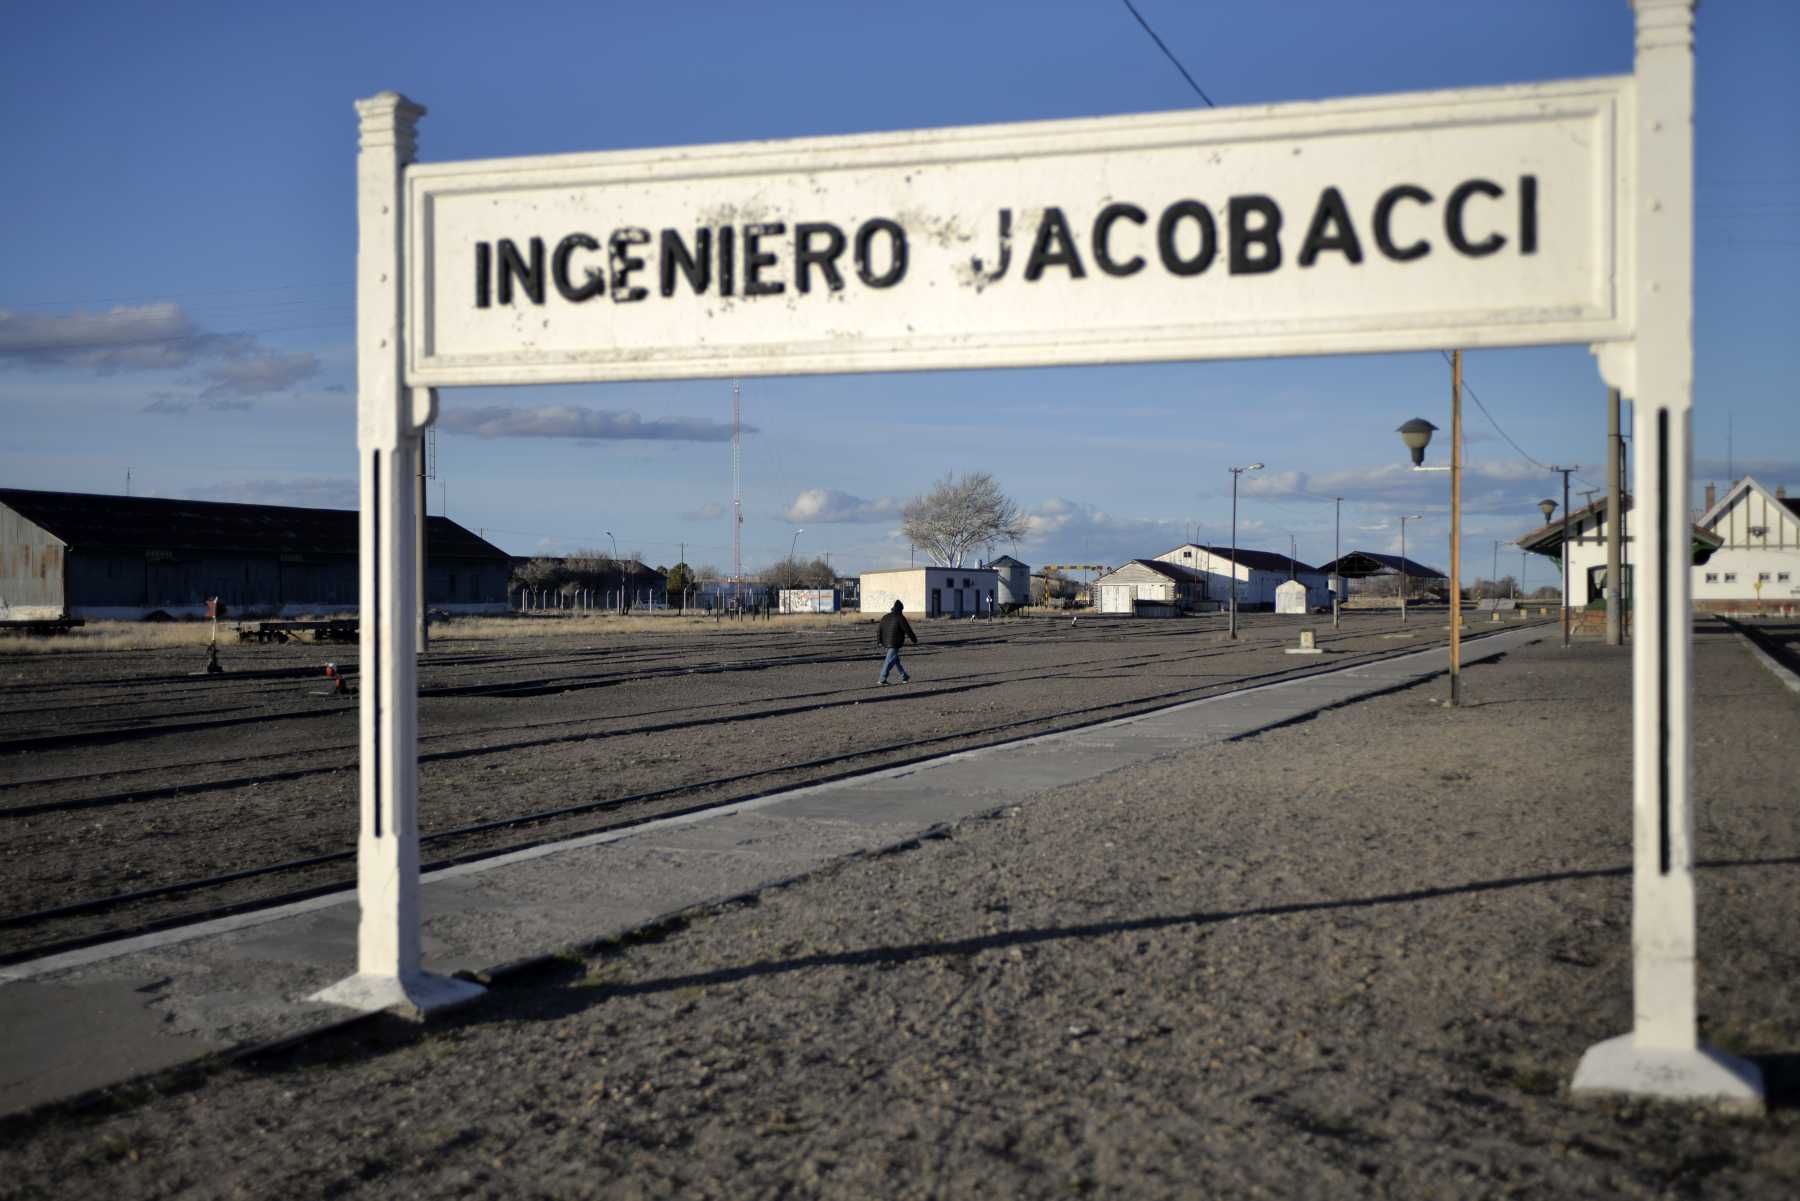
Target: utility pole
(1337,567)
(1405,576)
(1235,472)
(1615,515)
(1566,471)
(1455,526)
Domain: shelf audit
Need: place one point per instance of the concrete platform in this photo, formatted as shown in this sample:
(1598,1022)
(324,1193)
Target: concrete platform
(103,1015)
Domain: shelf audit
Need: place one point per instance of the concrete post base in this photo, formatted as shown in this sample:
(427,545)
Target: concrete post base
(411,996)
(1701,1074)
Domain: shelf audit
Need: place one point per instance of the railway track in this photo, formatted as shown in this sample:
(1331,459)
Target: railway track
(465,743)
(124,913)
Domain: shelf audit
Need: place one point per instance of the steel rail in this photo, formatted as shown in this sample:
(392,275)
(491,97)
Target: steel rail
(1092,714)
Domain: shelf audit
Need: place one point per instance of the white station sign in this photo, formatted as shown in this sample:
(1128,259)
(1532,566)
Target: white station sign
(1469,218)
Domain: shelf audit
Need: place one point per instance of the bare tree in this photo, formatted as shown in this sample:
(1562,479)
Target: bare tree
(960,514)
(794,573)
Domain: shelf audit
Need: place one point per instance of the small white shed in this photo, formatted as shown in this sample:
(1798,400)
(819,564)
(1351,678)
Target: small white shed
(1290,597)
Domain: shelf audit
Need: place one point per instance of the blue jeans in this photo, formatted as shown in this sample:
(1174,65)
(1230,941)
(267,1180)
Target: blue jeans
(891,663)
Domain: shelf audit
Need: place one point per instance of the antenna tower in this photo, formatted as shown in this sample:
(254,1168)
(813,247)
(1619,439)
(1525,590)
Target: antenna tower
(737,490)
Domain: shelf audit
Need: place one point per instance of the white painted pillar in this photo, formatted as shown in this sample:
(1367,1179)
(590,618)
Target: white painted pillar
(1662,1055)
(390,422)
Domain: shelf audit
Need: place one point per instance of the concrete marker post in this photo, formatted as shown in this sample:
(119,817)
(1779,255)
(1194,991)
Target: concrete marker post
(1662,1056)
(390,422)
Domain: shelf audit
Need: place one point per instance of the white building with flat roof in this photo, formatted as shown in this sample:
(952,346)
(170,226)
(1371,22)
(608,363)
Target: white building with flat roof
(932,591)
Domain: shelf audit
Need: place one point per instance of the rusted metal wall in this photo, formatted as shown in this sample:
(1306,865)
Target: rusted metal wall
(31,567)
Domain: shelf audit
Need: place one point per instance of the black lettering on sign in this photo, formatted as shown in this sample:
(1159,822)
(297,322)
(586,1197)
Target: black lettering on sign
(1384,215)
(1053,247)
(1527,214)
(1453,218)
(806,258)
(865,237)
(1170,221)
(484,267)
(1331,229)
(696,266)
(981,273)
(512,267)
(1264,236)
(727,260)
(624,263)
(559,270)
(1102,239)
(756,258)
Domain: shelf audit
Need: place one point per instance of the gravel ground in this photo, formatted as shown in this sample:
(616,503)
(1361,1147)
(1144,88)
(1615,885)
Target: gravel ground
(1357,956)
(122,772)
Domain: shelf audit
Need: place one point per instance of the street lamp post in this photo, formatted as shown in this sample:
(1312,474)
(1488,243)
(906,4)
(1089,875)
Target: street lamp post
(1337,566)
(793,568)
(1235,472)
(620,566)
(1565,551)
(1405,577)
(1417,435)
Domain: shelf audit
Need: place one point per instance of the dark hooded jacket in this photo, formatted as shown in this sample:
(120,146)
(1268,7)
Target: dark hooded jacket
(895,629)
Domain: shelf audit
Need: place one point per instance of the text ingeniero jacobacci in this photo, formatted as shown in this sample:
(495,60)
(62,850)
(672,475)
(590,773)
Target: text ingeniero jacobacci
(1183,239)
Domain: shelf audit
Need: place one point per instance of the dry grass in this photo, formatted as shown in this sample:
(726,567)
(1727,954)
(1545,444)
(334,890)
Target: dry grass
(116,636)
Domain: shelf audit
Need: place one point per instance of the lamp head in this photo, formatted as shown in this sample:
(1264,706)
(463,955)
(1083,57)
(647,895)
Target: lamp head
(1546,507)
(1417,436)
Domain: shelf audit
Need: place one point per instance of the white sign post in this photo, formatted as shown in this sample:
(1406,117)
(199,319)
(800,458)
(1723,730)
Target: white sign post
(390,428)
(1550,213)
(1662,1055)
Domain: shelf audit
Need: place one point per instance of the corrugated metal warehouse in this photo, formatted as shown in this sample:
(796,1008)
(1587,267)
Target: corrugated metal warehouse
(1259,573)
(932,591)
(99,557)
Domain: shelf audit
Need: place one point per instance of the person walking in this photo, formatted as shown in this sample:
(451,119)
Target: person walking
(892,634)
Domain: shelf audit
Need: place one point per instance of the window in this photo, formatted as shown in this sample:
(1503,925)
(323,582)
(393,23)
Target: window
(1712,577)
(1781,577)
(1731,577)
(1762,577)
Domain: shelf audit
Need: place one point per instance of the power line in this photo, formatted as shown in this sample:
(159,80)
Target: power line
(1509,440)
(1170,53)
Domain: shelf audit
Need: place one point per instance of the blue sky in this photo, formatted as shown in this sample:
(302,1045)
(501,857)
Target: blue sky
(179,238)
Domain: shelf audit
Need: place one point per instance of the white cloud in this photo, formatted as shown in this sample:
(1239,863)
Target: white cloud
(143,337)
(1063,530)
(712,510)
(310,492)
(823,506)
(154,337)
(258,374)
(579,421)
(174,404)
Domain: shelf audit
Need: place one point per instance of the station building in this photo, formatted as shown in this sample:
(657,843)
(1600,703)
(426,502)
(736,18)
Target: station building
(1258,573)
(933,591)
(1152,588)
(1745,550)
(124,558)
